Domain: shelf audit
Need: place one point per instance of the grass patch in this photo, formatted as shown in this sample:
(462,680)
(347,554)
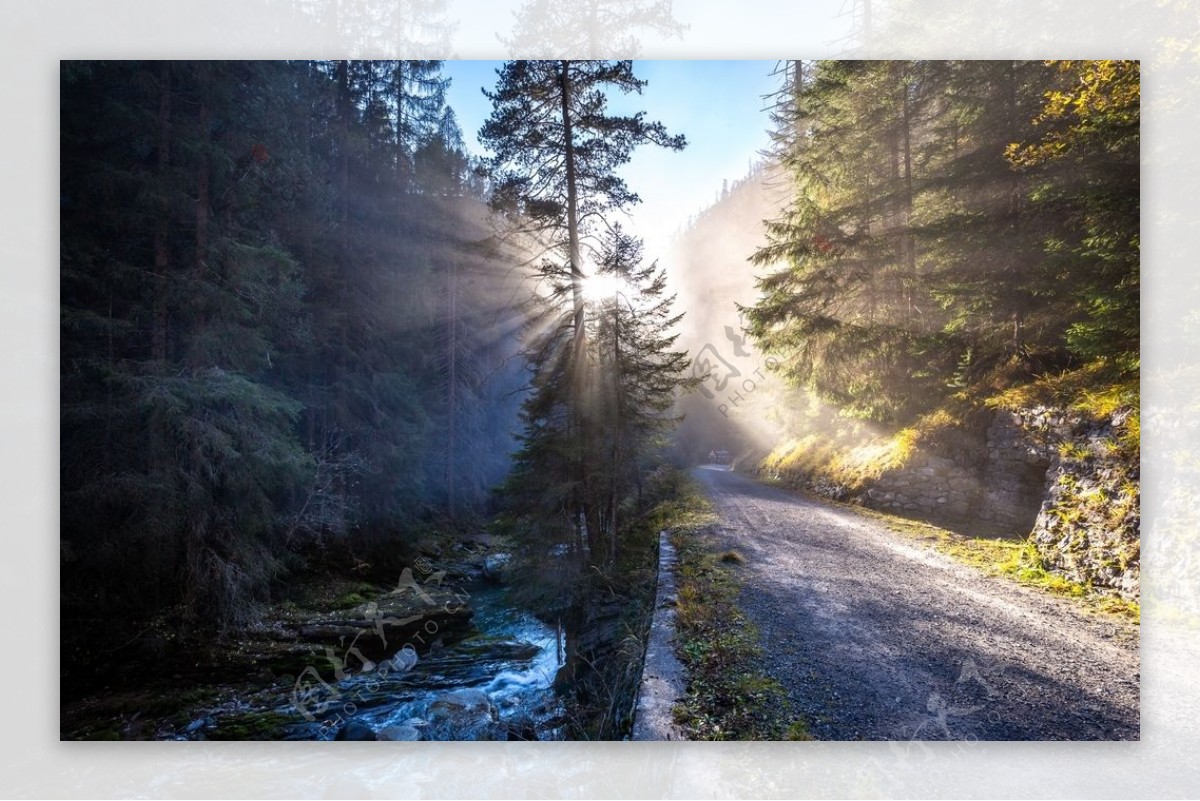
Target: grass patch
(733,558)
(728,697)
(1097,392)
(1017,560)
(685,510)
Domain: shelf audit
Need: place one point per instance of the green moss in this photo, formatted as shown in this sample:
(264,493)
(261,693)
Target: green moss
(348,600)
(347,595)
(1015,559)
(264,725)
(797,730)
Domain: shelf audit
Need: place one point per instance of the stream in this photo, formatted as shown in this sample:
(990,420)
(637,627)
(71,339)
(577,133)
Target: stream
(496,682)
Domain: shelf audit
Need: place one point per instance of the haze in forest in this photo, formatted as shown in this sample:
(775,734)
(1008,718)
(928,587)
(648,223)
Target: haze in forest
(335,333)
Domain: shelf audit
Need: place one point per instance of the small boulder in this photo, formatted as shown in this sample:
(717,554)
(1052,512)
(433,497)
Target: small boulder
(197,725)
(399,734)
(355,731)
(495,566)
(468,701)
(463,715)
(402,661)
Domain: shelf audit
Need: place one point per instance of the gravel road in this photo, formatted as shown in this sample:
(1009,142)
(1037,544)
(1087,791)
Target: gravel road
(876,637)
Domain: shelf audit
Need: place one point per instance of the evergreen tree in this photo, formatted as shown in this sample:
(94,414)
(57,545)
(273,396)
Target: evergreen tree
(642,374)
(198,453)
(934,238)
(846,315)
(555,155)
(252,308)
(1089,151)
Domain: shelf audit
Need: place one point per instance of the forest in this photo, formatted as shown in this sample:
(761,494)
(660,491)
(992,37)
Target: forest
(948,219)
(297,322)
(278,315)
(314,339)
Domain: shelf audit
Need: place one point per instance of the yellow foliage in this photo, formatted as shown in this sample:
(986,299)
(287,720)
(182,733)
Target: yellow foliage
(843,457)
(1101,97)
(1090,391)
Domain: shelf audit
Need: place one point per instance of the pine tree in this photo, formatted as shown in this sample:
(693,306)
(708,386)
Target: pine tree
(252,307)
(199,453)
(555,155)
(642,374)
(916,258)
(844,315)
(1088,155)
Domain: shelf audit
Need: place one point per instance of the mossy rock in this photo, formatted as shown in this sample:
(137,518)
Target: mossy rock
(266,725)
(349,600)
(105,734)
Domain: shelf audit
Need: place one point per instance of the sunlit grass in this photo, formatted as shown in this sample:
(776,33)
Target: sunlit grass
(733,557)
(854,454)
(1092,392)
(1014,559)
(847,461)
(687,511)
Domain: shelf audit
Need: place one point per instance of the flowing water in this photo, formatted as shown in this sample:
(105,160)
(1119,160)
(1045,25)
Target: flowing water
(509,655)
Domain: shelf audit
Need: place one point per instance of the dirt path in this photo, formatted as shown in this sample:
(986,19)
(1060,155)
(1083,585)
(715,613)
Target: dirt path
(879,639)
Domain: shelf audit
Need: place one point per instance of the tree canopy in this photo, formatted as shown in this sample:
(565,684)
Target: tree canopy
(950,219)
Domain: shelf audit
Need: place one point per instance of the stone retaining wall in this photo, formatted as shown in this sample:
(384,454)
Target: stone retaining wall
(663,682)
(1000,482)
(1089,526)
(1041,473)
(928,485)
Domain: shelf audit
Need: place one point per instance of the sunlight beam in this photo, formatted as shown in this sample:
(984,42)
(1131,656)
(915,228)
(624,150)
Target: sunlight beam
(600,287)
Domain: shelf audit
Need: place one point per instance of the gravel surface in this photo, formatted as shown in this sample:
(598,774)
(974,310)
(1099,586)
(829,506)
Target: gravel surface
(878,638)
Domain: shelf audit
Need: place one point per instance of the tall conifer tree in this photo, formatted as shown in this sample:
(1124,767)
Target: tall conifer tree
(556,152)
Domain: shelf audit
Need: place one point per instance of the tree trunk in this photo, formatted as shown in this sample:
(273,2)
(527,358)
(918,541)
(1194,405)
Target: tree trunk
(909,244)
(576,259)
(345,105)
(581,511)
(344,112)
(616,433)
(198,356)
(1012,117)
(162,254)
(401,127)
(452,400)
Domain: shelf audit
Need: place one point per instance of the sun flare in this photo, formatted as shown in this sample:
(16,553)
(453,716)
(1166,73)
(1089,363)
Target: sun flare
(603,286)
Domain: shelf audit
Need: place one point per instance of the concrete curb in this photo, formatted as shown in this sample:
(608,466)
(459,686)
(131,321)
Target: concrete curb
(663,680)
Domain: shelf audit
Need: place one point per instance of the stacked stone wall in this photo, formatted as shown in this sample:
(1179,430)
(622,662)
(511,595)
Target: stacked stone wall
(1040,473)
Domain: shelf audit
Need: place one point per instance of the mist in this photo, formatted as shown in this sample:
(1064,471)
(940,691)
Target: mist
(741,405)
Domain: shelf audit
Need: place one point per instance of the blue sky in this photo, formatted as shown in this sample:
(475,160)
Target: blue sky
(717,105)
